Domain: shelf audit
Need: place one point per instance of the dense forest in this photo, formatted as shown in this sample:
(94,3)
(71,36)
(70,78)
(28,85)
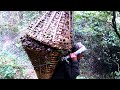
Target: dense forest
(99,31)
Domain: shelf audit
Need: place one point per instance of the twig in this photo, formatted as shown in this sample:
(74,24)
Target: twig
(117,65)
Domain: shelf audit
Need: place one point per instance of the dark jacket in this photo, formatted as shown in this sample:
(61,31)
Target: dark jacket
(65,70)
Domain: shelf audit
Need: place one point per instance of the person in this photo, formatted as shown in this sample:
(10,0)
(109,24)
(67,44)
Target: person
(65,70)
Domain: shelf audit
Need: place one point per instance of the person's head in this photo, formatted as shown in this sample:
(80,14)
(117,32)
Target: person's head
(77,46)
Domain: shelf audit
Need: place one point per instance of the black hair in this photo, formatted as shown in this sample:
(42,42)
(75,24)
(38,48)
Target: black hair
(74,48)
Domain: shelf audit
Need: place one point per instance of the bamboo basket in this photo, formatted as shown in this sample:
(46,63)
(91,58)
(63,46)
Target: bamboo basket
(44,38)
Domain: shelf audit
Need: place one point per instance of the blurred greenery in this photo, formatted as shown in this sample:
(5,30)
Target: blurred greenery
(14,62)
(92,28)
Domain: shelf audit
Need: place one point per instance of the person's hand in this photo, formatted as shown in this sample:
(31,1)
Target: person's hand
(73,56)
(80,56)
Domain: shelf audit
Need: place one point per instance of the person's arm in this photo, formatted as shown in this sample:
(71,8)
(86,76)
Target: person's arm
(72,68)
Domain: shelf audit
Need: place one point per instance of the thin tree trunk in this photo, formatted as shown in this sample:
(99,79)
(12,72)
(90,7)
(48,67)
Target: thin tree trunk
(114,24)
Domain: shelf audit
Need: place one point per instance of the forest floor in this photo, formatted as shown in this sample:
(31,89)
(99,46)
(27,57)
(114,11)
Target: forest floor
(87,71)
(24,70)
(13,51)
(13,47)
(13,54)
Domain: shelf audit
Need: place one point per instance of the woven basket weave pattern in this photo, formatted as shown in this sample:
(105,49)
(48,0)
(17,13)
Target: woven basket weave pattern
(47,34)
(39,55)
(53,28)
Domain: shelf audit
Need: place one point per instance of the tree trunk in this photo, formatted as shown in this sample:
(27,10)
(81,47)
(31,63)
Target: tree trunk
(114,24)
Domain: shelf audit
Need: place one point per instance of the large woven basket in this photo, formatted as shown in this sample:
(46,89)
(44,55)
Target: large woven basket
(44,38)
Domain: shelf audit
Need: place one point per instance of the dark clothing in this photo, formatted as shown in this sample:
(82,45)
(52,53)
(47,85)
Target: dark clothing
(65,70)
